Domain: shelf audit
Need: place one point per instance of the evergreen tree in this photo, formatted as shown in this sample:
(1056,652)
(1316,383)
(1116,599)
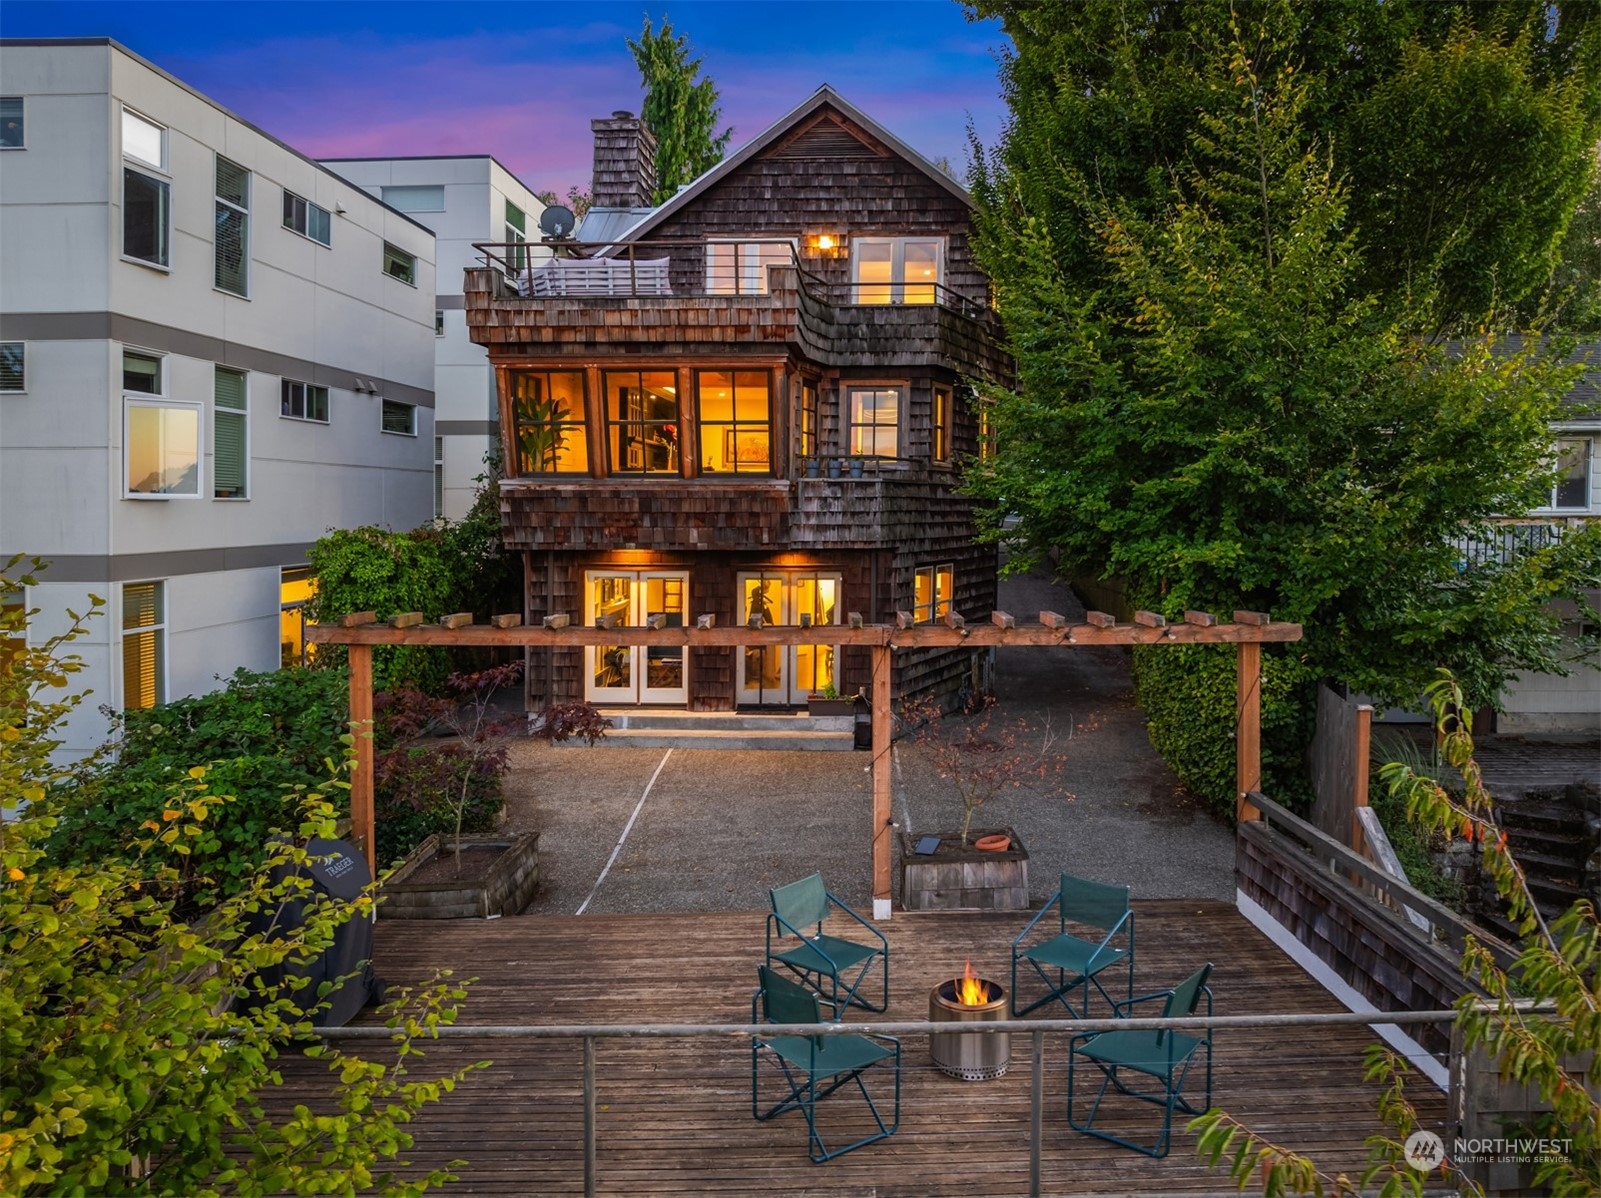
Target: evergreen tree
(680,110)
(1224,402)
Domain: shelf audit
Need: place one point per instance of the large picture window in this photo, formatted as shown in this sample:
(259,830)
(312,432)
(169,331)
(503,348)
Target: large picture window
(161,437)
(897,270)
(547,407)
(875,414)
(735,421)
(642,421)
(144,645)
(231,272)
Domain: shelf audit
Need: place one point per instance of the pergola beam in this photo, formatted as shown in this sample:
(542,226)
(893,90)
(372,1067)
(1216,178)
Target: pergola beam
(1248,632)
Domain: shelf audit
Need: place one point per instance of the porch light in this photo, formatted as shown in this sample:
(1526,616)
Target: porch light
(821,244)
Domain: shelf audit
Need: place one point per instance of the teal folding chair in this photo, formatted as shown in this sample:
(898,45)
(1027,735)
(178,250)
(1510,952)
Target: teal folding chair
(814,1067)
(1165,1056)
(831,965)
(1068,960)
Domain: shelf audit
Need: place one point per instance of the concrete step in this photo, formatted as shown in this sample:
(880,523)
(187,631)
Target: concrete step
(795,740)
(723,721)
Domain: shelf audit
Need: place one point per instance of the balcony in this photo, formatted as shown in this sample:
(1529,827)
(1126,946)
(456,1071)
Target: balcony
(1504,541)
(676,297)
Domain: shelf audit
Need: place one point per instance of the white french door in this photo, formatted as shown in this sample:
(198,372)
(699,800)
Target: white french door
(783,675)
(636,673)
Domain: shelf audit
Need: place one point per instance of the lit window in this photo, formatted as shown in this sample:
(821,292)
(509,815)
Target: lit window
(230,435)
(307,219)
(986,432)
(875,421)
(897,270)
(1572,489)
(941,432)
(296,586)
(304,401)
(415,199)
(13,371)
(399,418)
(398,264)
(161,437)
(735,421)
(740,267)
(144,645)
(931,593)
(231,271)
(547,408)
(11,126)
(642,421)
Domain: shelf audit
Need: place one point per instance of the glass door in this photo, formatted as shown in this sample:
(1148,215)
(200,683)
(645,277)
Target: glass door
(632,673)
(783,675)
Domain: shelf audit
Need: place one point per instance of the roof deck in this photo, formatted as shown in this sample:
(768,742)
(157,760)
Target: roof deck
(673,1115)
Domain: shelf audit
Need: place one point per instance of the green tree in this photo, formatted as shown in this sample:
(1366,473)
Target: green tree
(1217,405)
(679,109)
(184,1098)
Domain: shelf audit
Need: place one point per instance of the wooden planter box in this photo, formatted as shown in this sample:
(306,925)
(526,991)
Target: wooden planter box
(505,890)
(954,878)
(816,705)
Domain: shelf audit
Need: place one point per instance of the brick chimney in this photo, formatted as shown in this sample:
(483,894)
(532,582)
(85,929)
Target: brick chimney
(625,162)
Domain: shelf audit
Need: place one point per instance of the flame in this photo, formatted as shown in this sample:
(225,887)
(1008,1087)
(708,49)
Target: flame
(970,990)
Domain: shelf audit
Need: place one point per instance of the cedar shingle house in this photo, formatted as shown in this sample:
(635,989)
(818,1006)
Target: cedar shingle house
(751,401)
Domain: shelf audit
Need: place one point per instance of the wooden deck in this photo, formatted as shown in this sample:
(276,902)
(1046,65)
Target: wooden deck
(674,1115)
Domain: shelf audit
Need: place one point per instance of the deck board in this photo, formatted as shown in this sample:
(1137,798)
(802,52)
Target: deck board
(674,1115)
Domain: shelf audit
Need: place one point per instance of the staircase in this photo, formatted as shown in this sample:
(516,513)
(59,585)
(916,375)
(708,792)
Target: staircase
(1556,844)
(633,728)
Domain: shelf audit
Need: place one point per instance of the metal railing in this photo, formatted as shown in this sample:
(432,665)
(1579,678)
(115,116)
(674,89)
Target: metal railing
(697,268)
(1504,542)
(1035,1029)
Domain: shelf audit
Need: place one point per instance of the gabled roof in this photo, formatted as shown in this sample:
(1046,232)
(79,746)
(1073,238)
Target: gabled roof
(824,97)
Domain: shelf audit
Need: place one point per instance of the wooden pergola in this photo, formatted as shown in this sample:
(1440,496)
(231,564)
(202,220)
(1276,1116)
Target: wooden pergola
(1248,632)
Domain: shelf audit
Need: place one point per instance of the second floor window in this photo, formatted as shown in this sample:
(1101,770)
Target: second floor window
(874,422)
(307,219)
(808,420)
(146,196)
(161,436)
(986,431)
(547,409)
(11,123)
(1572,489)
(230,434)
(305,401)
(642,421)
(13,366)
(940,447)
(516,236)
(735,415)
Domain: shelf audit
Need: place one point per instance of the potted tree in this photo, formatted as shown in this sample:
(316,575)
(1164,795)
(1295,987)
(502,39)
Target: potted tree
(974,868)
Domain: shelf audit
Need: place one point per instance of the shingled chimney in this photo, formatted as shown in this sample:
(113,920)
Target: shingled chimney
(625,162)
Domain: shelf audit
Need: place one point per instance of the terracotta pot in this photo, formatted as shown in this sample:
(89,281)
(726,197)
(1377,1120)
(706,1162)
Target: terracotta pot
(997,843)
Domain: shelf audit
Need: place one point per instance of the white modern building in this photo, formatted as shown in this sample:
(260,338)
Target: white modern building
(212,350)
(463,200)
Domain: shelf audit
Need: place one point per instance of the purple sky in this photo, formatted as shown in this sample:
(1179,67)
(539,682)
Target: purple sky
(378,78)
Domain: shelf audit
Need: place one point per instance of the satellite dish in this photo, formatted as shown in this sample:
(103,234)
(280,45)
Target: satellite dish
(557,221)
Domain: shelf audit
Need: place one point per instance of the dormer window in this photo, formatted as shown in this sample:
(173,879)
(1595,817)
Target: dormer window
(897,270)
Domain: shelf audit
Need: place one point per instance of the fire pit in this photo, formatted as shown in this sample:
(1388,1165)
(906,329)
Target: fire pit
(971,1056)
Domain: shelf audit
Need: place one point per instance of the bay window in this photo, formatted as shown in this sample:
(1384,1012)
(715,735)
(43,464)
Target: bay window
(642,421)
(874,421)
(547,408)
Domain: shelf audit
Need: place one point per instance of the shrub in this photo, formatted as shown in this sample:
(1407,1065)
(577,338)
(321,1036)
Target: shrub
(1188,695)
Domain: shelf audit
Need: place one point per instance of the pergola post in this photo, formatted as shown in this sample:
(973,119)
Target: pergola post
(883,824)
(1248,728)
(361,806)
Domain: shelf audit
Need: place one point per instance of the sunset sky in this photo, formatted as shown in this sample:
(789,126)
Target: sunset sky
(353,78)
